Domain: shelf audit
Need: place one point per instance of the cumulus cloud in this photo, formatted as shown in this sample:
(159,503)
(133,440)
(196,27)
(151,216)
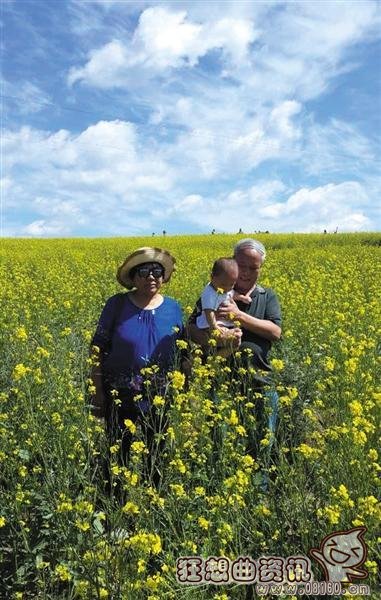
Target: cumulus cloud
(105,67)
(249,108)
(109,177)
(97,178)
(42,228)
(224,128)
(164,39)
(224,142)
(105,153)
(341,205)
(298,49)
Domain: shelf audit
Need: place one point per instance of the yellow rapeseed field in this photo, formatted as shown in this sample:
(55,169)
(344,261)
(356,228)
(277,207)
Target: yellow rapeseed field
(63,537)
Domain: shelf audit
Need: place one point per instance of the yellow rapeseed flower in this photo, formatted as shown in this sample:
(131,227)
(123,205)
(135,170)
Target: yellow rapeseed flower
(308,451)
(130,425)
(139,447)
(277,364)
(204,523)
(131,508)
(331,513)
(82,525)
(158,401)
(63,572)
(178,490)
(177,380)
(20,371)
(21,333)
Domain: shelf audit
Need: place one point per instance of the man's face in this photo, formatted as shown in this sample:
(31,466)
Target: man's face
(249,264)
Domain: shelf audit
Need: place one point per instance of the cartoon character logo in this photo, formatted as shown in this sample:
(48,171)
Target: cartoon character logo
(341,554)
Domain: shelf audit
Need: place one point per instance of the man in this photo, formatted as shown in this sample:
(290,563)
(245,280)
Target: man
(257,311)
(256,308)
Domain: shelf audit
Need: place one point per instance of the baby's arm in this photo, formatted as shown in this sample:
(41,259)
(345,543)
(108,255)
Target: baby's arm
(211,318)
(213,325)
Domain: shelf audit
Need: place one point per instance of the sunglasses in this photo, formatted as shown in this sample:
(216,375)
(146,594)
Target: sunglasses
(146,270)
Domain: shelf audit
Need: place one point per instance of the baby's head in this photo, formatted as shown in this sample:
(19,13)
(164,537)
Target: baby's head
(224,274)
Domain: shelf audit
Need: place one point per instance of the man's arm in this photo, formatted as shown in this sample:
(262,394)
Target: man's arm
(263,327)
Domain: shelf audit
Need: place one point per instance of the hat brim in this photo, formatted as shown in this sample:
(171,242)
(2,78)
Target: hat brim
(143,255)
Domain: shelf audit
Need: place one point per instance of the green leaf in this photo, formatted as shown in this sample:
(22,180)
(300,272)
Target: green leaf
(98,526)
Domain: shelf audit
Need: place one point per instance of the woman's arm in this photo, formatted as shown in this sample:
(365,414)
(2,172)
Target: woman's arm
(100,345)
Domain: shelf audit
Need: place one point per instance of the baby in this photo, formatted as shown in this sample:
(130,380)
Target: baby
(219,290)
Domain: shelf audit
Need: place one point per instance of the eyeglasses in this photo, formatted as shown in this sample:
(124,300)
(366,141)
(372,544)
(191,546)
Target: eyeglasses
(146,270)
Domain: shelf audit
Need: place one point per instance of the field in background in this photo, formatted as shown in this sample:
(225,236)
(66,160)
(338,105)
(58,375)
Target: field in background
(58,526)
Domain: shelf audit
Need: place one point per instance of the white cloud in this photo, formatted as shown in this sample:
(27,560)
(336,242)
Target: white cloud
(101,177)
(59,209)
(108,176)
(299,49)
(105,67)
(166,39)
(106,153)
(219,94)
(5,184)
(191,202)
(222,141)
(230,126)
(280,118)
(336,147)
(306,210)
(163,39)
(42,228)
(223,126)
(23,98)
(322,200)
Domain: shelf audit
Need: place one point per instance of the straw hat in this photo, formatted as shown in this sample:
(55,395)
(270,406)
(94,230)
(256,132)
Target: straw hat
(144,255)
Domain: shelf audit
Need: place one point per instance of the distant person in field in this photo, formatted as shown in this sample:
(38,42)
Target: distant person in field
(136,329)
(223,278)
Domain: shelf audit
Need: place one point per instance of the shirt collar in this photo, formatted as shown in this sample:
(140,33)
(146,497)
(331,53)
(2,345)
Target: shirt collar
(258,290)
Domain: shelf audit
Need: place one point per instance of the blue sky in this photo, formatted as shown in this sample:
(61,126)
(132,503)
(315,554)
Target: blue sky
(127,118)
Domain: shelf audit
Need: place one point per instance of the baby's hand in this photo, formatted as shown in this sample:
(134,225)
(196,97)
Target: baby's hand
(246,299)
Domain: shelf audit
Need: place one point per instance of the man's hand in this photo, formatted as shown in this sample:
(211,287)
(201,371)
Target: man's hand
(245,298)
(262,327)
(229,336)
(228,310)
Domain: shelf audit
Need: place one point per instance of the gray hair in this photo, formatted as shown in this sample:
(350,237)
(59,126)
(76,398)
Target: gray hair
(252,245)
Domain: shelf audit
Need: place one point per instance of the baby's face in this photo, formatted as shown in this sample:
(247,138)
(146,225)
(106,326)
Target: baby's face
(225,281)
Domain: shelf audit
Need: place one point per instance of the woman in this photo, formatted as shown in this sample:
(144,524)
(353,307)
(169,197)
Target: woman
(137,329)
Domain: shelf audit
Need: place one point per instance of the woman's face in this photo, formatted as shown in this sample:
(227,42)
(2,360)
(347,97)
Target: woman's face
(148,278)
